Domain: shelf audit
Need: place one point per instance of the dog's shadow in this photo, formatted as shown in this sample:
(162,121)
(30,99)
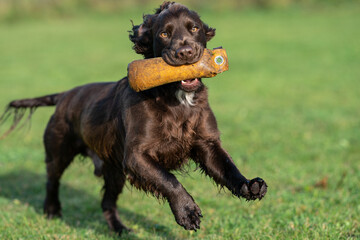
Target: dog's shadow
(29,188)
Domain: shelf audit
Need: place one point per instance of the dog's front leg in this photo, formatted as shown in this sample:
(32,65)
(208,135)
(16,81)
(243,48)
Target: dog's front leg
(146,174)
(217,163)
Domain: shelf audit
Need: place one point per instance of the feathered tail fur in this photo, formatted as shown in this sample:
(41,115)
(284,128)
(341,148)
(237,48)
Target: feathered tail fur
(18,109)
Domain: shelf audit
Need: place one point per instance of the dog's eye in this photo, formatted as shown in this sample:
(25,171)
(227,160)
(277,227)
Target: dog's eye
(164,35)
(194,29)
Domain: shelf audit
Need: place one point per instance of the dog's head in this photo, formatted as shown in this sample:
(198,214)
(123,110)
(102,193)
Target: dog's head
(174,33)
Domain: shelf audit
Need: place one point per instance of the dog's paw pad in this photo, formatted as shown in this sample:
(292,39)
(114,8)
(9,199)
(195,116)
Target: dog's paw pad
(255,189)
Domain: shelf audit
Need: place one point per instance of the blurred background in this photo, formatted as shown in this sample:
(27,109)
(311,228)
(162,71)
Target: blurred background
(15,9)
(288,110)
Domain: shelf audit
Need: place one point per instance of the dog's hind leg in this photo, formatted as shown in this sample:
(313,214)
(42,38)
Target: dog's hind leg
(114,182)
(60,148)
(98,162)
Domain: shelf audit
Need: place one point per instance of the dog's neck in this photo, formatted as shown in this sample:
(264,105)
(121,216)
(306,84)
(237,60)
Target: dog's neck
(170,95)
(185,98)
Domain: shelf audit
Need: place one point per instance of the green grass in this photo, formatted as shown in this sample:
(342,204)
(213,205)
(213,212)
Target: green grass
(288,110)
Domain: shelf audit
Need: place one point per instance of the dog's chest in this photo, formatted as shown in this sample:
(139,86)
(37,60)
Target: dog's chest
(173,140)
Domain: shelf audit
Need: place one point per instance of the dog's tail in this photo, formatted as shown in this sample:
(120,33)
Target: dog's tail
(18,109)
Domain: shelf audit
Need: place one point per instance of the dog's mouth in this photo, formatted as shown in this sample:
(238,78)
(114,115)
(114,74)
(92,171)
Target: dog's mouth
(190,85)
(170,57)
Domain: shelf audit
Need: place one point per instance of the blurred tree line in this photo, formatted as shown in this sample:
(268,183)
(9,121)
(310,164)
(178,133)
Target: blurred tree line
(13,9)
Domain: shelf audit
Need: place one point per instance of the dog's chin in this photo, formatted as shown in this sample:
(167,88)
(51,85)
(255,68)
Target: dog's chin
(190,85)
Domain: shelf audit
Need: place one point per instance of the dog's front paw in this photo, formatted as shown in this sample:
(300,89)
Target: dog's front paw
(187,215)
(254,189)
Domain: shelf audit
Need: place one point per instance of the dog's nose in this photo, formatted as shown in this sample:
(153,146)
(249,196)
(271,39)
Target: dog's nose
(185,52)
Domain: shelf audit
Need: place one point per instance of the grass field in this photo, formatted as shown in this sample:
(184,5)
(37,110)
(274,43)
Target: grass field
(288,110)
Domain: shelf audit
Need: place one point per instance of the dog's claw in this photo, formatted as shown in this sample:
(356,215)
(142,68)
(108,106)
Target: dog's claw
(188,215)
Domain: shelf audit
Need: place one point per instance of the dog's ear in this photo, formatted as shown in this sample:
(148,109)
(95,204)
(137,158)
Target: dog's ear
(209,32)
(141,36)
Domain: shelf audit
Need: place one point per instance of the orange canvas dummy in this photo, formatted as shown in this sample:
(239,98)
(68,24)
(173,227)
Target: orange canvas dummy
(148,73)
